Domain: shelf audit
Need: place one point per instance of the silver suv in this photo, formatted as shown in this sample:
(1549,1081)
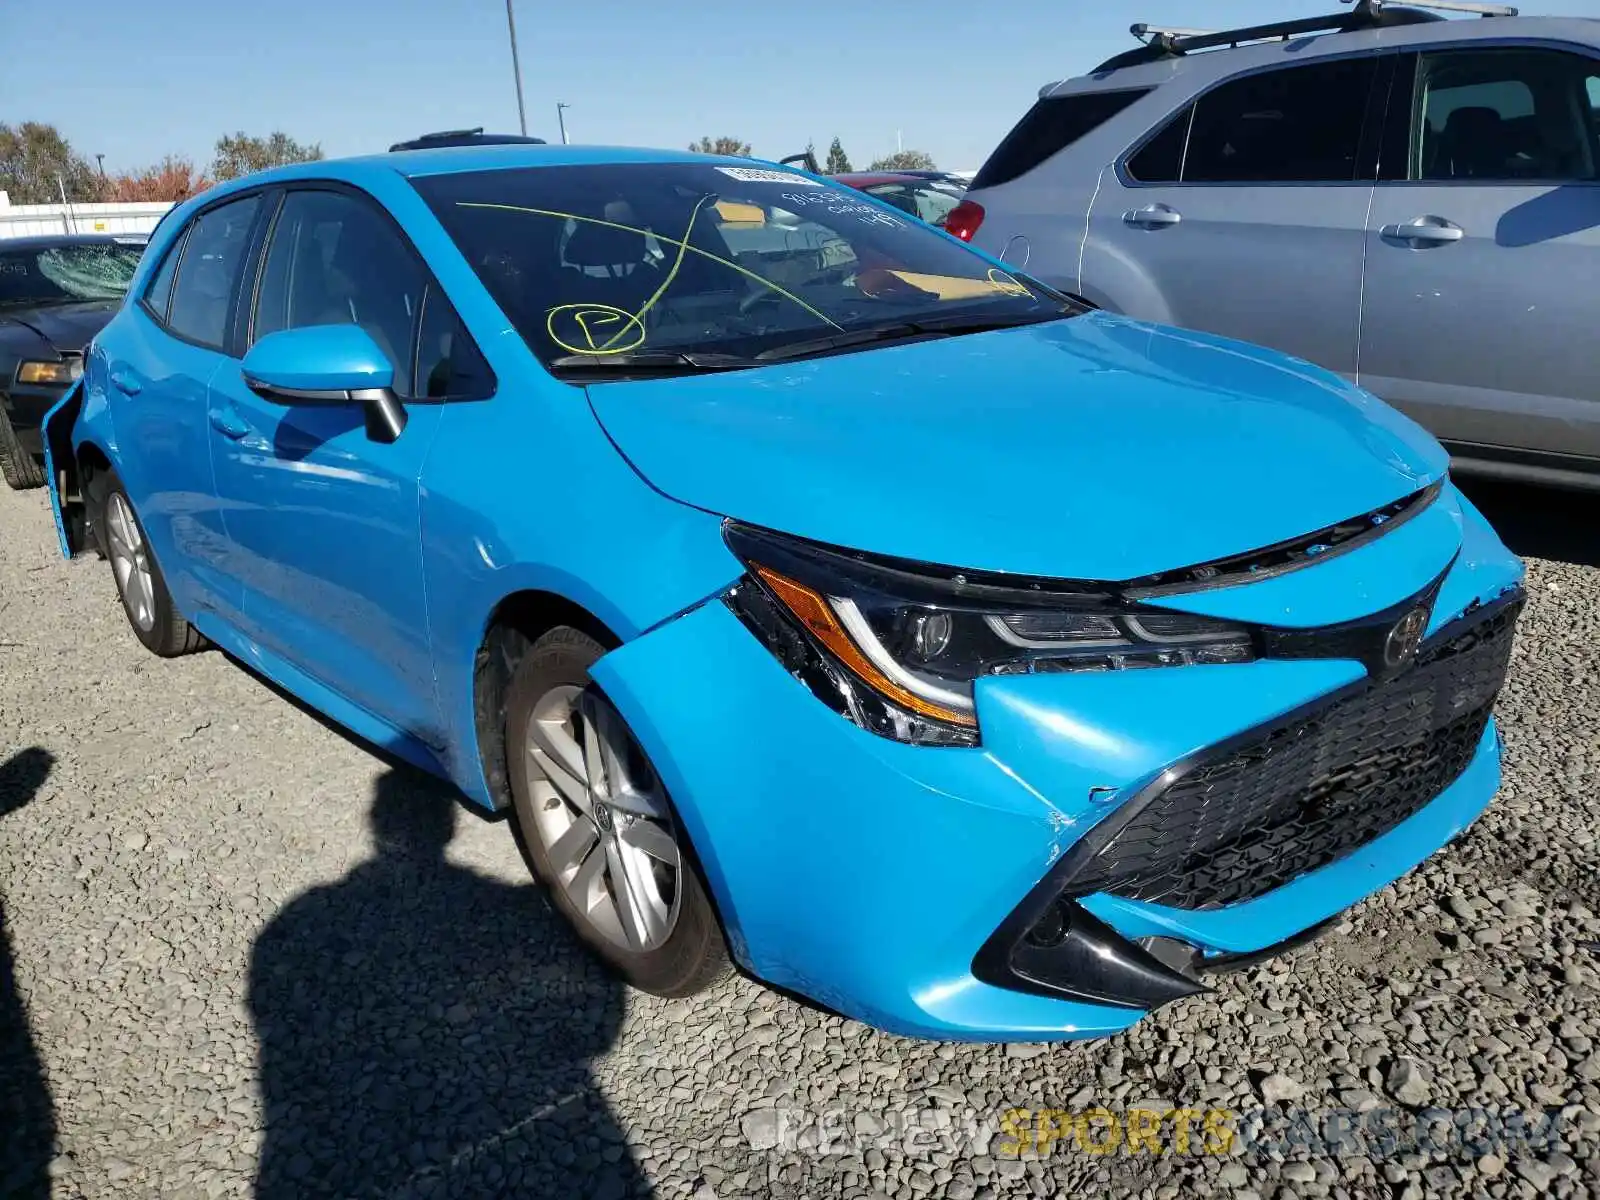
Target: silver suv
(1410,201)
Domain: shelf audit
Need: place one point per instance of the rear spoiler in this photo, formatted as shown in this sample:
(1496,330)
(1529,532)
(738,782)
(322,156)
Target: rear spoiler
(806,159)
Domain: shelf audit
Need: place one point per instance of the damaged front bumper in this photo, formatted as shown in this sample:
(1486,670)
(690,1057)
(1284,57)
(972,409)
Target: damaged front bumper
(61,470)
(896,883)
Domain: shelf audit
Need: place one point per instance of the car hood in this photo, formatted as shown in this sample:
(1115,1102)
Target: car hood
(64,328)
(1091,448)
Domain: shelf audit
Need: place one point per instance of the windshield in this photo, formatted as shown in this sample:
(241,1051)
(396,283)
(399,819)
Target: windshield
(66,274)
(696,259)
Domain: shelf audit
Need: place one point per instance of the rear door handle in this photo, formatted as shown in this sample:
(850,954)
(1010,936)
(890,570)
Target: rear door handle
(229,423)
(126,382)
(1424,231)
(1152,216)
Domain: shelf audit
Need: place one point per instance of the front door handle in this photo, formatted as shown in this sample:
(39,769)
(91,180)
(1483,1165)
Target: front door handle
(229,423)
(1424,231)
(1152,216)
(126,382)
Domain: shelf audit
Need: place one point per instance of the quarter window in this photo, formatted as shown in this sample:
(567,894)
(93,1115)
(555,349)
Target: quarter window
(335,260)
(449,364)
(1050,126)
(1505,115)
(202,294)
(159,292)
(1160,160)
(1296,125)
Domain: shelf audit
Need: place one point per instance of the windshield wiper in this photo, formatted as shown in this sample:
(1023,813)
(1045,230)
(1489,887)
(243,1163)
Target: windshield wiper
(972,323)
(649,360)
(838,341)
(944,326)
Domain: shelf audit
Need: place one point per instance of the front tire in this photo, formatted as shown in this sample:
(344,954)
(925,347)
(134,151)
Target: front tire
(19,467)
(142,588)
(599,827)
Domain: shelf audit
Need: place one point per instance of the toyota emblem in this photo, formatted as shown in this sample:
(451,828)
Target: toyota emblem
(1404,638)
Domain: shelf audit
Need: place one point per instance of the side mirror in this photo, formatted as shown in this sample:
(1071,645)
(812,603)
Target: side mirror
(327,364)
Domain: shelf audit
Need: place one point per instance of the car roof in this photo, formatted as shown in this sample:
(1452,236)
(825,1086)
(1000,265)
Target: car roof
(1205,65)
(371,169)
(48,241)
(451,160)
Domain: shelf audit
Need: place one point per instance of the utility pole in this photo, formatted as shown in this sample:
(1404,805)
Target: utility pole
(562,120)
(516,68)
(100,161)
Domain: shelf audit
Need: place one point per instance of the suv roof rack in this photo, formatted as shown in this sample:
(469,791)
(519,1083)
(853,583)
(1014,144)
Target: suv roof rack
(466,137)
(1162,42)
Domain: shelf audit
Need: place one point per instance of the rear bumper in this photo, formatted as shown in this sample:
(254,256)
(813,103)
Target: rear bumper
(869,874)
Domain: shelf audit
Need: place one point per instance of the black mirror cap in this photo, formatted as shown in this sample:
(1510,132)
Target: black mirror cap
(385,412)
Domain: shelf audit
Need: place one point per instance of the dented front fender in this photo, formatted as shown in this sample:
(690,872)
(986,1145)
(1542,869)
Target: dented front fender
(61,471)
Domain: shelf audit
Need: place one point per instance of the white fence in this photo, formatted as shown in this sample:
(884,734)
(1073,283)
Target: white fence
(26,220)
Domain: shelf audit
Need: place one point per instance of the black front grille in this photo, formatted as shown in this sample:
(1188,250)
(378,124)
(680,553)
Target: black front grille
(1257,814)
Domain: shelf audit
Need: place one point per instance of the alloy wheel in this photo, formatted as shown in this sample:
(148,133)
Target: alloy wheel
(130,562)
(603,818)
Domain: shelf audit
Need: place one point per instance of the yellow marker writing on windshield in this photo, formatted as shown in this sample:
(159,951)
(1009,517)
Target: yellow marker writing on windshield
(679,242)
(578,328)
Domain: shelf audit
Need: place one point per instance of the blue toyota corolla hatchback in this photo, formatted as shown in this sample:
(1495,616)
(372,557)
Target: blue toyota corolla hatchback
(815,592)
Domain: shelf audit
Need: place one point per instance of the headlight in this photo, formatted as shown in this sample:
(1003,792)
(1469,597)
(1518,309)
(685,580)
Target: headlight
(50,372)
(909,641)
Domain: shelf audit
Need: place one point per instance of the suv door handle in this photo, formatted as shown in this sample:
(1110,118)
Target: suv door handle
(1152,216)
(126,382)
(229,423)
(1424,231)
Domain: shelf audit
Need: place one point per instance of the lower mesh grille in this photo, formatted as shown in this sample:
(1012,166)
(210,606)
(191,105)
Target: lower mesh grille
(1306,793)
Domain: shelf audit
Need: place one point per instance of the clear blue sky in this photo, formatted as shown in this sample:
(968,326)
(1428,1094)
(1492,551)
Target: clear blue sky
(134,82)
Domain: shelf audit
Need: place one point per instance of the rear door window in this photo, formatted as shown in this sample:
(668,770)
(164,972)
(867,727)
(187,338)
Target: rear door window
(1505,115)
(208,274)
(1295,125)
(1050,126)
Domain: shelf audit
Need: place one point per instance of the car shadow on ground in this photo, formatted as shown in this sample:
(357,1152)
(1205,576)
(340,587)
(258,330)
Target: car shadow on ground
(27,1116)
(426,1030)
(1540,522)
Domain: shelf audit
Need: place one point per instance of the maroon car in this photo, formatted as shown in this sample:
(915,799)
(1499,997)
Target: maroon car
(925,196)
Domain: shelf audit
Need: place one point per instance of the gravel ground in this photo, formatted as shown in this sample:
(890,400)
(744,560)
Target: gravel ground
(252,956)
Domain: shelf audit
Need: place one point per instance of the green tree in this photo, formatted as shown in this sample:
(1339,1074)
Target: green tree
(905,160)
(838,161)
(721,145)
(37,163)
(240,154)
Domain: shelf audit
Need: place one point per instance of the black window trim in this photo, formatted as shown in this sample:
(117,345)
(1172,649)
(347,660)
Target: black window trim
(1409,109)
(173,251)
(1365,163)
(243,328)
(431,290)
(181,247)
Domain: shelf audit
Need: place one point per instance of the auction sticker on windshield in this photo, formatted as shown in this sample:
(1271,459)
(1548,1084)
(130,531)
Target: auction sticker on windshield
(754,175)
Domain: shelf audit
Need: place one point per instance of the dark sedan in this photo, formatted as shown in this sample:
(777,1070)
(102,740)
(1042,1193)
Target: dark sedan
(55,294)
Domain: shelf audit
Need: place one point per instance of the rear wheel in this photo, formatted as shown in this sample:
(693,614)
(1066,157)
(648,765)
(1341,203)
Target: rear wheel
(17,465)
(599,826)
(155,619)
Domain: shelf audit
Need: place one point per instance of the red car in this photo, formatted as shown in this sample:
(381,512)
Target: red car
(927,197)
